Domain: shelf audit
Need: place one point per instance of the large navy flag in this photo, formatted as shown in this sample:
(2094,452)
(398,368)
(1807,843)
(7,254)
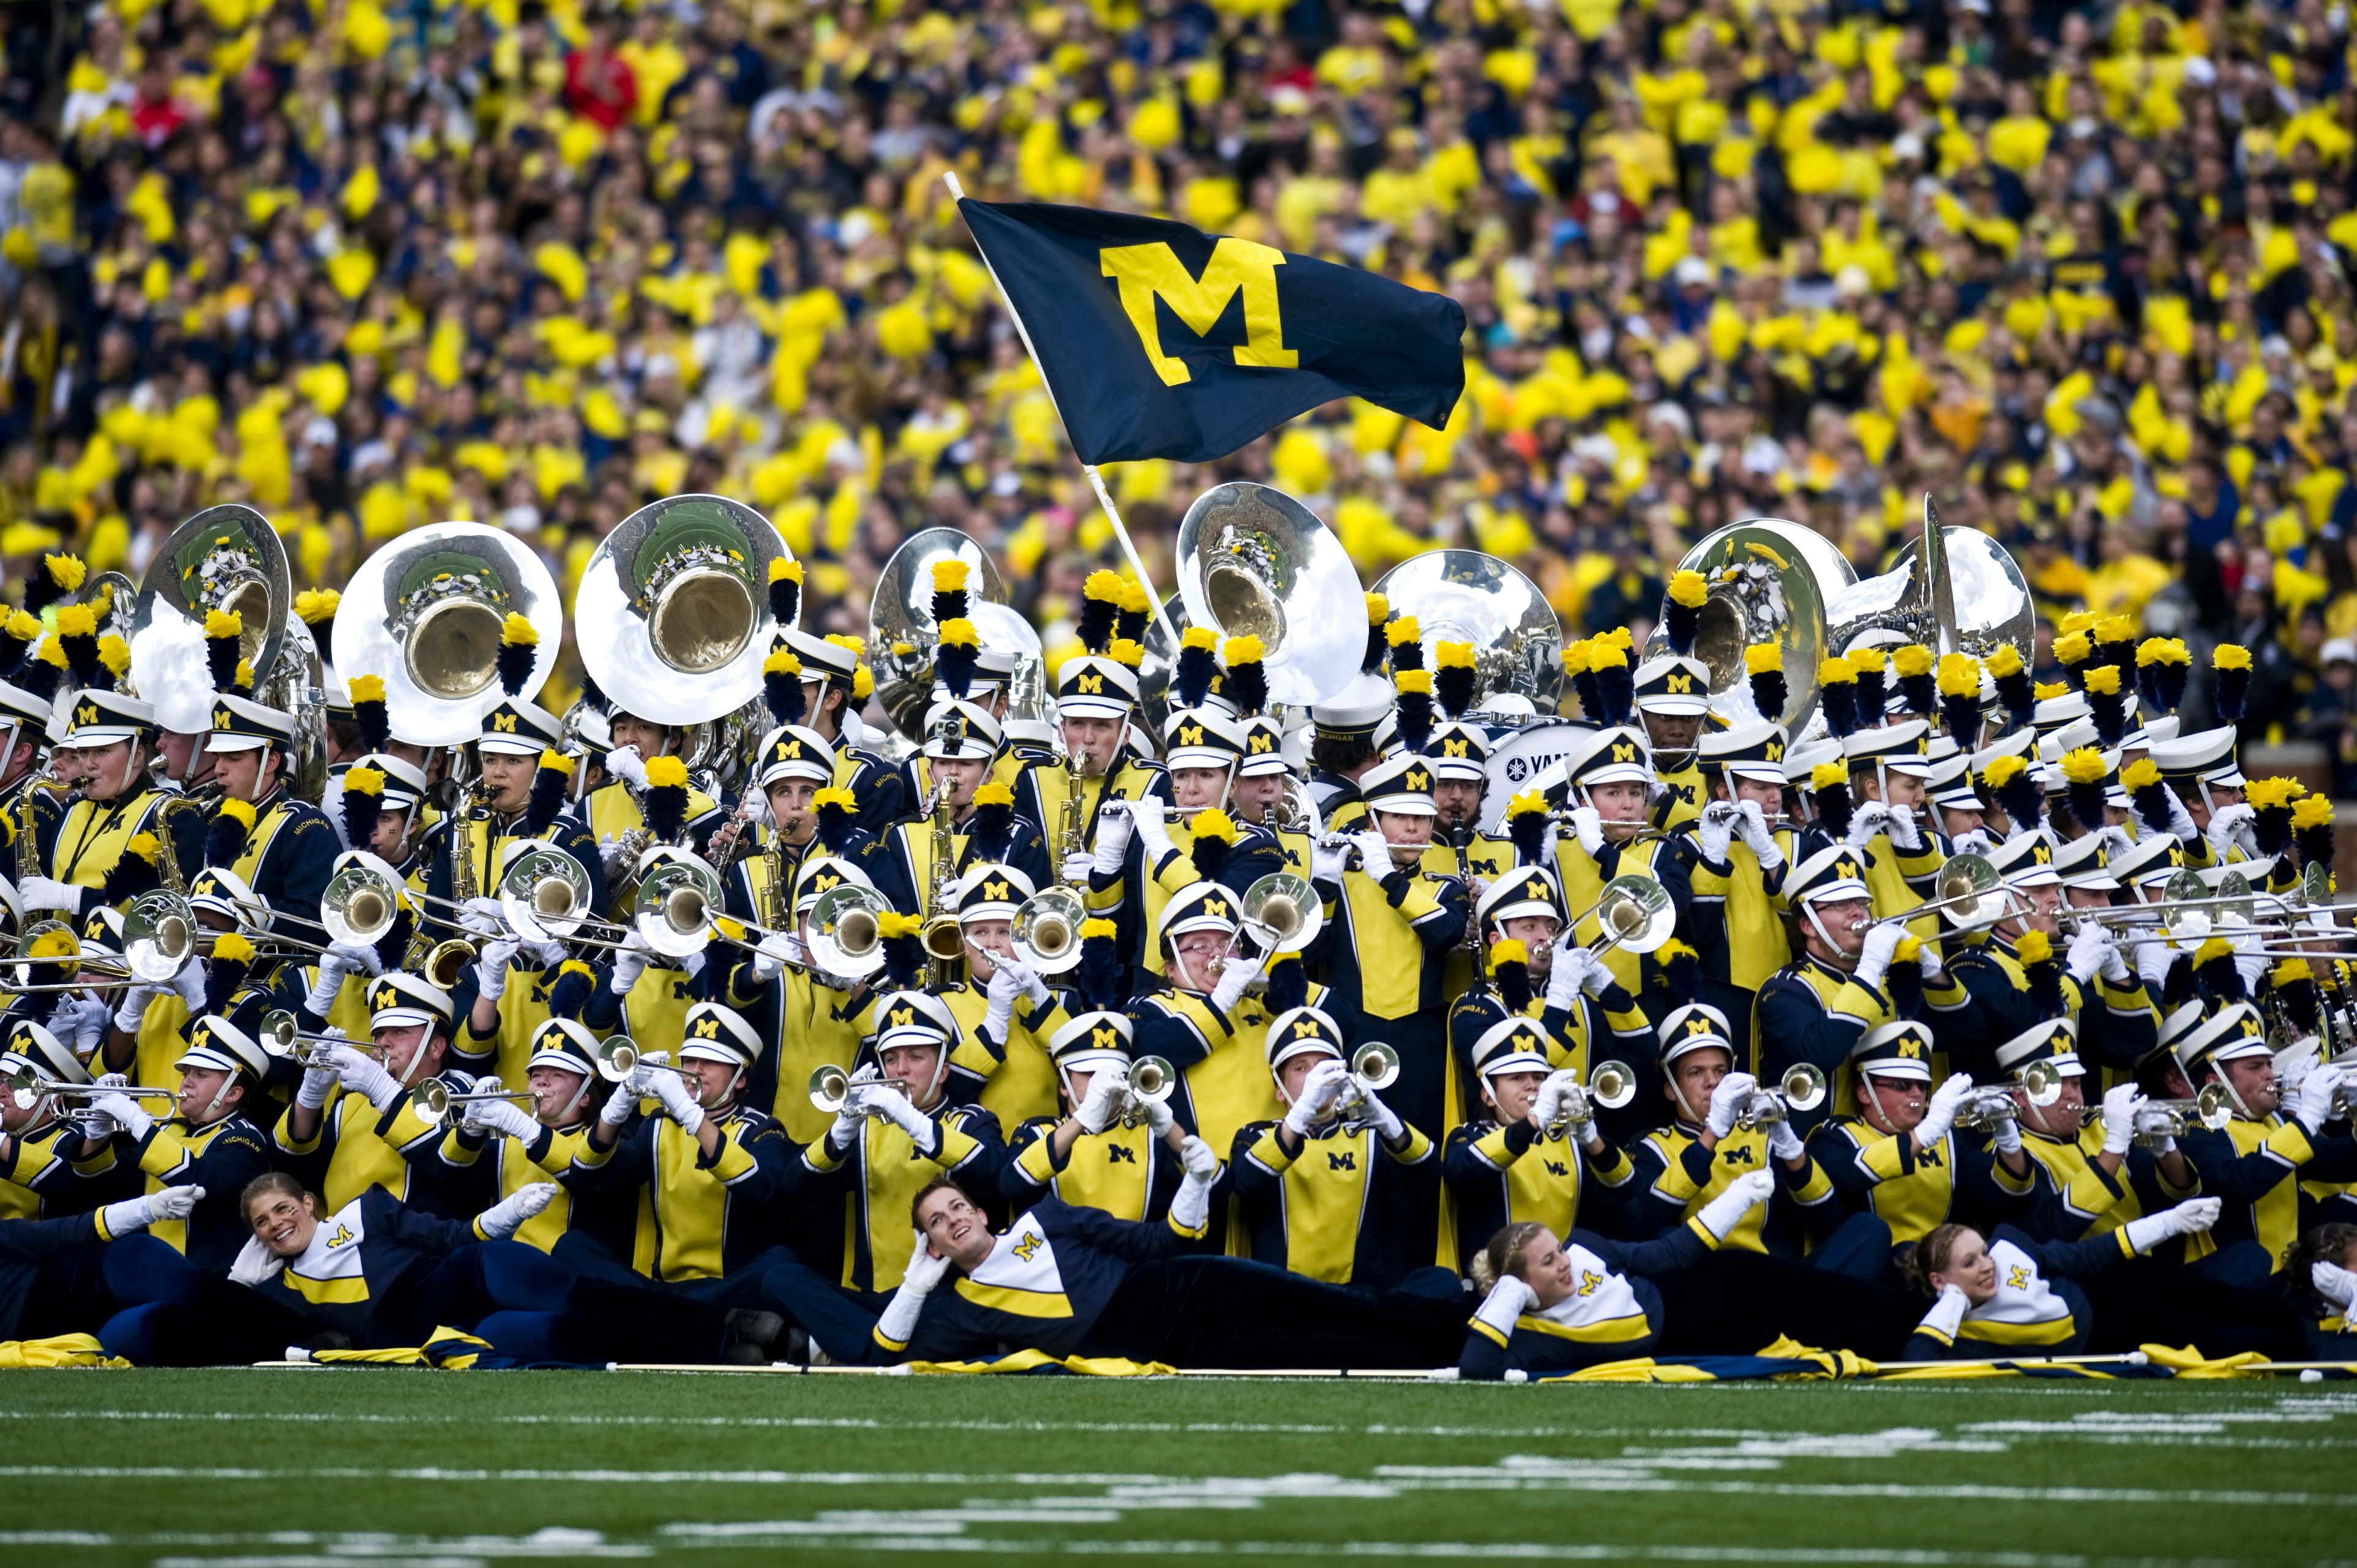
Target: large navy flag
(1161,341)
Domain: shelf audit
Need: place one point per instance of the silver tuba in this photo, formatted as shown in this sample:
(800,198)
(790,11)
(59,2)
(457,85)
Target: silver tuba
(1463,596)
(1771,581)
(1254,562)
(672,616)
(901,634)
(426,612)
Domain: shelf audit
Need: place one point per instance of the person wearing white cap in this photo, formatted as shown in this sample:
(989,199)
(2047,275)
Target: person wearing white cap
(1743,845)
(53,1272)
(396,834)
(1206,1020)
(614,809)
(538,1139)
(36,1138)
(353,1124)
(110,738)
(1005,1011)
(208,1142)
(813,1019)
(1672,695)
(1848,979)
(2275,1141)
(834,683)
(962,749)
(1096,693)
(1610,784)
(1888,771)
(1523,1156)
(2101,1175)
(24,736)
(282,845)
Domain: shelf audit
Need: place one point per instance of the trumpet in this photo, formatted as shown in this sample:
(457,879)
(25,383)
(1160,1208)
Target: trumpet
(1374,1067)
(1152,1080)
(284,1036)
(830,1087)
(434,1101)
(29,1089)
(618,1056)
(1611,1085)
(1993,1104)
(2157,1120)
(1802,1087)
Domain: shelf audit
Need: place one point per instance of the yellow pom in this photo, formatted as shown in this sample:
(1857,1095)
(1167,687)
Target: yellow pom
(55,944)
(2077,620)
(733,930)
(1455,655)
(949,577)
(1506,953)
(224,623)
(1103,586)
(230,948)
(1825,775)
(1523,804)
(313,605)
(1835,672)
(1688,588)
(1620,637)
(1671,950)
(1763,658)
(2005,662)
(667,773)
(2161,650)
(143,846)
(556,762)
(862,683)
(2115,629)
(2046,689)
(1909,951)
(2292,972)
(1415,681)
(1575,657)
(51,653)
(2231,656)
(782,661)
(517,631)
(1091,930)
(1201,637)
(2267,794)
(66,571)
(2211,950)
(2313,812)
(1605,655)
(1403,631)
(2033,948)
(77,620)
(245,677)
(893,924)
(577,966)
(1960,675)
(1213,824)
(1245,650)
(994,794)
(784,571)
(1127,651)
(2085,766)
(835,795)
(242,811)
(2104,681)
(959,633)
(366,688)
(115,654)
(1379,609)
(2141,774)
(2004,772)
(1132,597)
(22,627)
(1868,660)
(2074,648)
(1912,661)
(364,781)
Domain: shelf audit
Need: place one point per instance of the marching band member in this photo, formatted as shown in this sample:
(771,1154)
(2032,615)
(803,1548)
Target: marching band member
(1898,1158)
(794,767)
(1742,848)
(1888,768)
(38,1139)
(1167,857)
(962,746)
(209,1143)
(1095,695)
(540,1139)
(2256,1162)
(395,833)
(2202,797)
(1358,1215)
(1536,973)
(1611,836)
(834,683)
(1850,977)
(1095,1156)
(815,1018)
(1532,1157)
(2011,1294)
(1206,1020)
(2101,1179)
(895,1131)
(1672,694)
(279,845)
(54,1272)
(354,1125)
(1263,795)
(1005,1012)
(1555,1303)
(83,848)
(143,1033)
(1390,925)
(615,811)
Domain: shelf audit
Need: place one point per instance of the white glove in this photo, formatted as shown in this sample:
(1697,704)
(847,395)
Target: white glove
(621,1102)
(1327,860)
(325,986)
(189,984)
(505,1118)
(1374,852)
(1758,837)
(1160,1118)
(1568,972)
(2249,961)
(484,918)
(1319,1092)
(2190,1218)
(678,1100)
(2152,963)
(630,961)
(1744,1194)
(2115,970)
(1200,1161)
(1153,832)
(354,958)
(1508,1301)
(125,1112)
(1727,1102)
(492,967)
(2334,1283)
(1103,1101)
(2181,820)
(2313,1106)
(2116,841)
(2235,827)
(1715,832)
(1587,826)
(471,1115)
(1113,827)
(131,1214)
(1074,872)
(133,1010)
(363,1075)
(1191,1208)
(1384,1119)
(505,1218)
(174,1203)
(1940,1116)
(2084,958)
(1973,841)
(551,953)
(256,1264)
(1874,957)
(41,892)
(1783,1144)
(899,1110)
(2006,1136)
(1027,980)
(625,763)
(1547,1109)
(611,854)
(1869,818)
(1237,974)
(924,1271)
(999,1020)
(1905,836)
(1928,961)
(319,1086)
(95,1126)
(2120,1105)
(1947,1314)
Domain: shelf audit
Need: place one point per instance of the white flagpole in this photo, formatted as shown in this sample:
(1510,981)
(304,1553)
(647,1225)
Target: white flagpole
(1096,480)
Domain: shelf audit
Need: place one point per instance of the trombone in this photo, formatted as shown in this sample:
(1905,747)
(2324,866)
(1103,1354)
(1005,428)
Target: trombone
(1970,892)
(847,930)
(1611,1085)
(1802,1087)
(1635,913)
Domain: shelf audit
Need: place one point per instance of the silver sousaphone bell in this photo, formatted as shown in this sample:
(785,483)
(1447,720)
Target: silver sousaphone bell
(1254,562)
(901,635)
(224,558)
(425,613)
(1464,596)
(673,610)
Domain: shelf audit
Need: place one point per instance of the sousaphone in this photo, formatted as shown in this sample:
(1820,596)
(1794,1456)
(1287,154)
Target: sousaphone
(901,635)
(426,612)
(672,617)
(224,558)
(1464,596)
(1254,562)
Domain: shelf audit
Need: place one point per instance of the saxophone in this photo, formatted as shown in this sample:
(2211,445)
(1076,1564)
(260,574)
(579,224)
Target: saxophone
(28,848)
(944,941)
(443,961)
(1075,842)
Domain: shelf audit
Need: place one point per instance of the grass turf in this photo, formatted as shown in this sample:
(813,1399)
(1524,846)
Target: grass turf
(440,1470)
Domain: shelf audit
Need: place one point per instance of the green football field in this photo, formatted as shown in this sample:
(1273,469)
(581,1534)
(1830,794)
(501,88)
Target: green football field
(350,1467)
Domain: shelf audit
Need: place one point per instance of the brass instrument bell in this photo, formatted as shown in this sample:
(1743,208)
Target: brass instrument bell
(1047,931)
(1254,562)
(673,609)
